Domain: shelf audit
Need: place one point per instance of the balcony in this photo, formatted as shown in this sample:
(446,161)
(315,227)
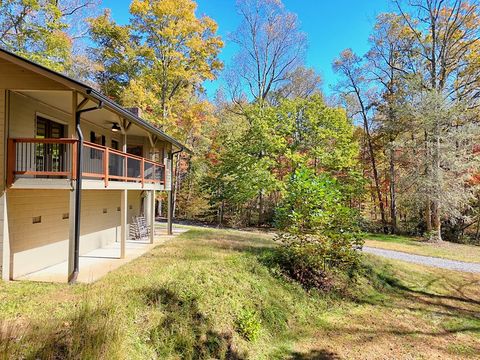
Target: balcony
(39,163)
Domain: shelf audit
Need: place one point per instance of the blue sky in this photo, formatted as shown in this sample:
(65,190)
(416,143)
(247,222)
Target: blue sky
(331,26)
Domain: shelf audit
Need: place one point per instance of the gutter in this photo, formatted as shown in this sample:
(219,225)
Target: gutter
(135,119)
(78,188)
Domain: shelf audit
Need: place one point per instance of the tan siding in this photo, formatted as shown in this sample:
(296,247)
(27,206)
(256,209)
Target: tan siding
(87,127)
(2,167)
(23,112)
(36,246)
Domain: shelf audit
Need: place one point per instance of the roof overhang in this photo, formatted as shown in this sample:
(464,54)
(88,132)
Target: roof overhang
(92,94)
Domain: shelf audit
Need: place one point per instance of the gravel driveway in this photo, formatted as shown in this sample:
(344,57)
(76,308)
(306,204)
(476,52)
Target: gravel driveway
(425,260)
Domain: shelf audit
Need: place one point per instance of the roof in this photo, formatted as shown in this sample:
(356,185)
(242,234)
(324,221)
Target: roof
(107,102)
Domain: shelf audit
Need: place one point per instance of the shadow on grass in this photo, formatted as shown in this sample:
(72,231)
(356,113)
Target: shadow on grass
(184,331)
(91,333)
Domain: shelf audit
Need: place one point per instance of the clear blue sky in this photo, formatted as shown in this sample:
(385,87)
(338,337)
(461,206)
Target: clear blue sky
(331,26)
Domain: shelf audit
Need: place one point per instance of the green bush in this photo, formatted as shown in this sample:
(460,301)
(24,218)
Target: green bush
(248,325)
(320,234)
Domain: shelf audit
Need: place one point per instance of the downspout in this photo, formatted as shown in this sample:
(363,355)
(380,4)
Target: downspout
(78,190)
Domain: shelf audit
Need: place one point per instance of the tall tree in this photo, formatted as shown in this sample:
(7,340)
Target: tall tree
(446,33)
(44,31)
(36,30)
(388,62)
(270,45)
(180,50)
(355,86)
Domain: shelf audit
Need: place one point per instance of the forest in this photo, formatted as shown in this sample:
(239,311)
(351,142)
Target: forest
(393,148)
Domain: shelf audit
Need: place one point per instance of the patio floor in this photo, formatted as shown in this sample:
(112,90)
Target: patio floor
(97,263)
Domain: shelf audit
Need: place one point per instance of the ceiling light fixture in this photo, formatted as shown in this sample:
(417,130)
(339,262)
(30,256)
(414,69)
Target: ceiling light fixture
(115,127)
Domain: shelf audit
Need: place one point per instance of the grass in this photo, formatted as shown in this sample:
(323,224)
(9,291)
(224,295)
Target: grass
(418,246)
(209,294)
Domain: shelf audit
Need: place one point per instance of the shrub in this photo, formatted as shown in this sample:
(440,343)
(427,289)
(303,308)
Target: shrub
(248,325)
(320,233)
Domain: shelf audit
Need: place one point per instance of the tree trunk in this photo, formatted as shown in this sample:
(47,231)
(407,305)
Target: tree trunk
(393,204)
(377,182)
(428,216)
(260,208)
(436,234)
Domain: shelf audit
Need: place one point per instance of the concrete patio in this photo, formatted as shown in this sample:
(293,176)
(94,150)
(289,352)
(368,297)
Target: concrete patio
(97,263)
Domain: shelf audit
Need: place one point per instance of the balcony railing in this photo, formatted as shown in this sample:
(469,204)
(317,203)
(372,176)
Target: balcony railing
(57,158)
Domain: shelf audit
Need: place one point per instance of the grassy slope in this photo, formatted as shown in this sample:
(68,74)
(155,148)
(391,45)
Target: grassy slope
(446,250)
(185,300)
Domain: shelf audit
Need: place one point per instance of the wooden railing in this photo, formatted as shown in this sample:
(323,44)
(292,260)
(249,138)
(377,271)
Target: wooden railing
(57,158)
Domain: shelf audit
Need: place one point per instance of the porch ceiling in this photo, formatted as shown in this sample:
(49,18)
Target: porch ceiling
(62,100)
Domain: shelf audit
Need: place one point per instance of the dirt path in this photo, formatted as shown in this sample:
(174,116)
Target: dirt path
(425,260)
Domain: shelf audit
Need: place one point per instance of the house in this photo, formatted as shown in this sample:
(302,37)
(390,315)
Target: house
(76,169)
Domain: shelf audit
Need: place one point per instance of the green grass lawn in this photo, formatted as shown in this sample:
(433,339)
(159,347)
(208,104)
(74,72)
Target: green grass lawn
(209,294)
(446,250)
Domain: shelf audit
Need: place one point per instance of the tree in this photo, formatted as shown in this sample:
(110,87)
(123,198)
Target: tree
(116,57)
(302,83)
(440,163)
(44,31)
(270,45)
(446,35)
(36,30)
(179,50)
(355,87)
(387,63)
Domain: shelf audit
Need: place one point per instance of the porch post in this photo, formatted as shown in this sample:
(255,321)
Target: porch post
(7,268)
(152,216)
(71,215)
(123,222)
(169,188)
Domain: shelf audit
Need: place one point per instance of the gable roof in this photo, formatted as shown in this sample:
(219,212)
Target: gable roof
(93,94)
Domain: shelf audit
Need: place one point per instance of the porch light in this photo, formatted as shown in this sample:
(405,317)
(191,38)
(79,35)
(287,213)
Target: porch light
(115,127)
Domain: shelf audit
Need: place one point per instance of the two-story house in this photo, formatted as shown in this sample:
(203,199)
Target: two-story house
(75,169)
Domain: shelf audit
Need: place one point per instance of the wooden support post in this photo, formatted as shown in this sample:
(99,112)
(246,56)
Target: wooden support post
(7,256)
(123,222)
(169,212)
(142,171)
(11,159)
(105,165)
(152,216)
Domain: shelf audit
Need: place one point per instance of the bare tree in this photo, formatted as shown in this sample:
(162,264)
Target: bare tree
(355,85)
(270,45)
(302,82)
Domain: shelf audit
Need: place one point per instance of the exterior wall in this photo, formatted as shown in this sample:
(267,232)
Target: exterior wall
(2,172)
(36,246)
(87,127)
(23,111)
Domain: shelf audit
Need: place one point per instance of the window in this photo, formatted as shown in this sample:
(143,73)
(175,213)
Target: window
(115,145)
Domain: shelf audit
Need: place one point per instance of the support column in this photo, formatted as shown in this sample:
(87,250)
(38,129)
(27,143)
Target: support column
(152,216)
(123,222)
(169,188)
(7,265)
(71,212)
(169,212)
(71,232)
